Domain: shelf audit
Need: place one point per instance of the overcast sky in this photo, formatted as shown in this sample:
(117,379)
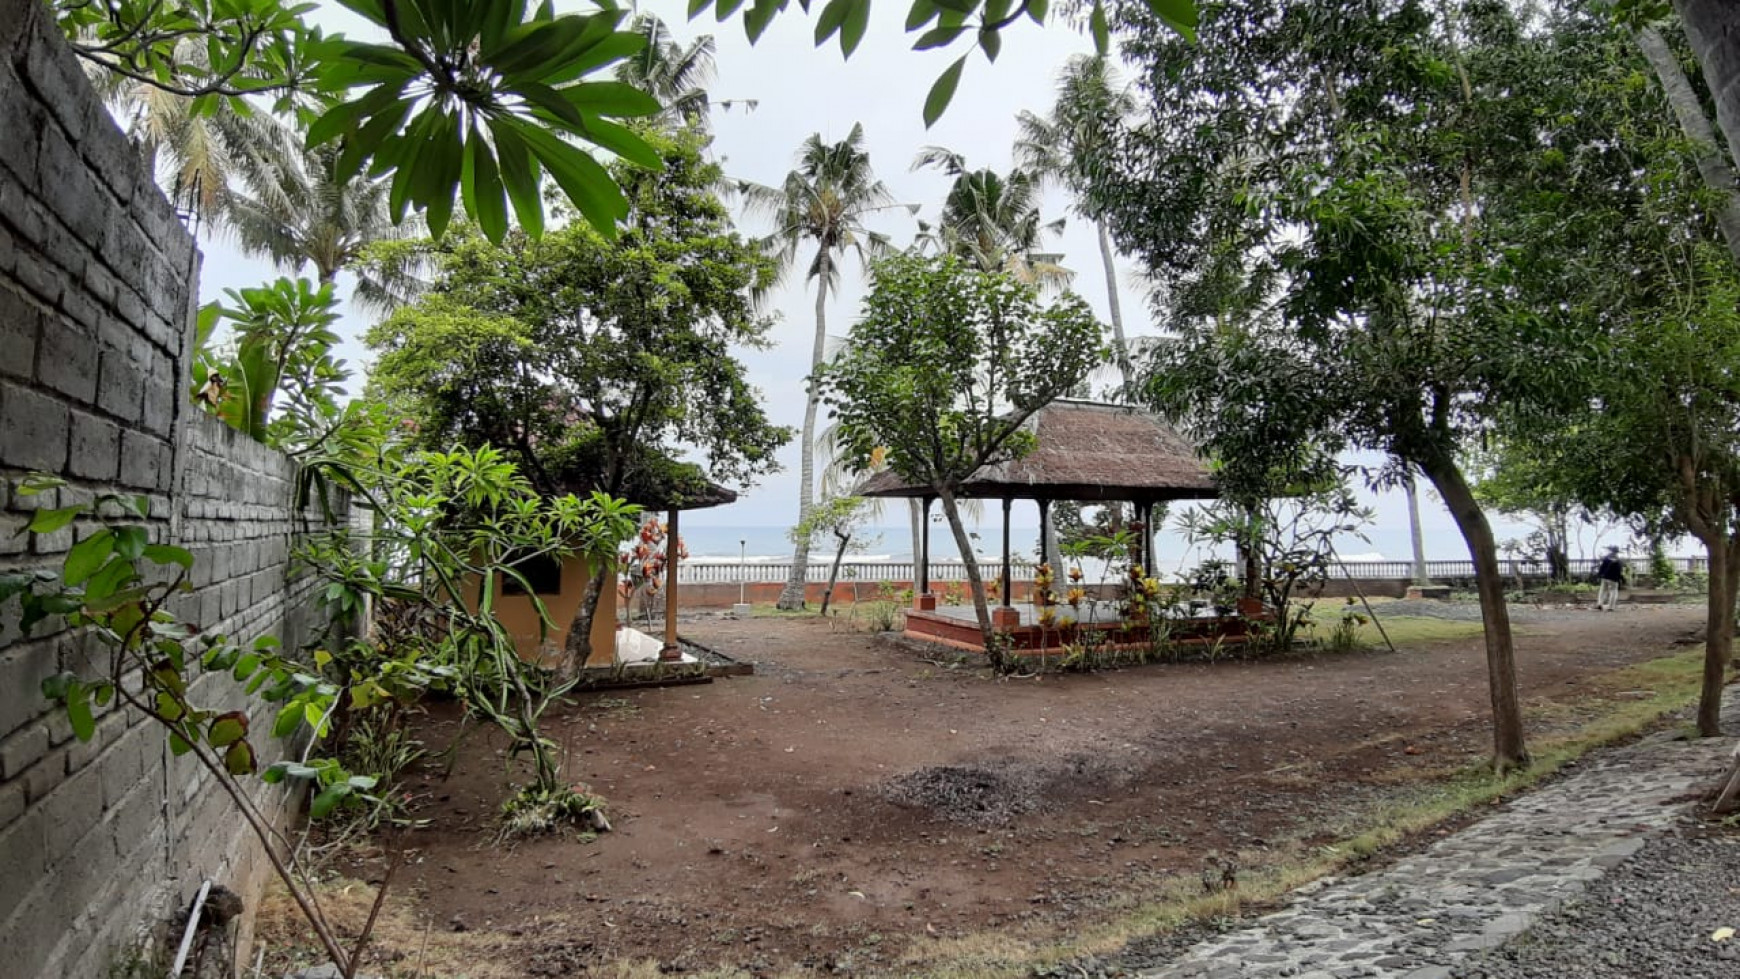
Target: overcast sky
(799,90)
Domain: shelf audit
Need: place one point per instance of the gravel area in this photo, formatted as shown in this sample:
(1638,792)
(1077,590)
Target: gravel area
(1653,915)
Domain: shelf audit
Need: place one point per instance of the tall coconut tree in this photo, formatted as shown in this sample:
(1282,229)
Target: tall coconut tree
(992,220)
(294,209)
(823,202)
(1063,145)
(1713,30)
(675,74)
(194,156)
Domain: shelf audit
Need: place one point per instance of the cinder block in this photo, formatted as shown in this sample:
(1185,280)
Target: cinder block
(22,858)
(73,809)
(20,324)
(121,392)
(66,360)
(143,460)
(96,447)
(158,411)
(22,749)
(50,69)
(68,187)
(19,114)
(33,429)
(23,667)
(11,802)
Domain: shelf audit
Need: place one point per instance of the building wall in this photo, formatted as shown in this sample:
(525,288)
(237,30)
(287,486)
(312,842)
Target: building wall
(519,617)
(100,840)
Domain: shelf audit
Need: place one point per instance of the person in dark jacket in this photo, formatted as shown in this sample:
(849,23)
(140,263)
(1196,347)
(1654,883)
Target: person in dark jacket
(1611,574)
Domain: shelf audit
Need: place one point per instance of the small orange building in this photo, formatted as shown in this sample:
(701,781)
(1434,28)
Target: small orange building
(560,583)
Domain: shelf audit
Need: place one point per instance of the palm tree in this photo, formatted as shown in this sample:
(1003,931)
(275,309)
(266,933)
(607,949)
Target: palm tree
(674,74)
(824,201)
(1712,27)
(194,156)
(1062,147)
(992,220)
(292,208)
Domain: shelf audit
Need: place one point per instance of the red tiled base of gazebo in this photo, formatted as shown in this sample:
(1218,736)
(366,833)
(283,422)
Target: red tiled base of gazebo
(957,627)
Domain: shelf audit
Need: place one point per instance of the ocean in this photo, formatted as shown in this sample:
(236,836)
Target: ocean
(771,545)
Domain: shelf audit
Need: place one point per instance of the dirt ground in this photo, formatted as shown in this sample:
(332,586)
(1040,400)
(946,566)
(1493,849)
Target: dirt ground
(852,796)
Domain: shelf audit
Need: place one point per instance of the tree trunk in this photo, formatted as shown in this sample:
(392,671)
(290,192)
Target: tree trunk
(1508,750)
(1724,555)
(976,584)
(1416,535)
(1714,165)
(1250,548)
(579,643)
(1120,346)
(834,571)
(915,512)
(1713,28)
(792,596)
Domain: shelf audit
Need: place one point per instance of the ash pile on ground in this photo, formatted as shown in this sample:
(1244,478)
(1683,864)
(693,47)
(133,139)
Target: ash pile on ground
(1654,915)
(973,795)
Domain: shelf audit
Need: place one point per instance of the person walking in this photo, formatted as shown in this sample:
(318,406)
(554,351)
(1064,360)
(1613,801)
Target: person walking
(1611,574)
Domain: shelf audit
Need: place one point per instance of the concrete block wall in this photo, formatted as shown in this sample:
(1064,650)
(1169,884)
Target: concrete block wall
(101,840)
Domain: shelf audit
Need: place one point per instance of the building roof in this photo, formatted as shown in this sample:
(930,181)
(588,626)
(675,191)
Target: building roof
(1089,451)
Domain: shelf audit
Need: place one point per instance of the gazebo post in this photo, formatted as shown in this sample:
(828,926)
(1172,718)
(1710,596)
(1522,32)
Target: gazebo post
(1005,618)
(1008,565)
(671,652)
(1045,555)
(921,596)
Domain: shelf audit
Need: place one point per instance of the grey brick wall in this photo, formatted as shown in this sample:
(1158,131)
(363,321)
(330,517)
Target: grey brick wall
(100,841)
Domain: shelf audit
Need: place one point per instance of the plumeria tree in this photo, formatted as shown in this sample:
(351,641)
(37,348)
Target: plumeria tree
(946,365)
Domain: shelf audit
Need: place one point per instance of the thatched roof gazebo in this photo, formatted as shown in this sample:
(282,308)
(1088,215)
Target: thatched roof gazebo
(1087,451)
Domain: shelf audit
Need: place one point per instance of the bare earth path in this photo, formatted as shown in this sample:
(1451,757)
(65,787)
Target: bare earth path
(852,799)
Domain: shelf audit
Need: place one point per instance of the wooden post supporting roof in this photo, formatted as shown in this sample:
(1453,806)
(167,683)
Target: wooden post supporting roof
(671,651)
(1008,566)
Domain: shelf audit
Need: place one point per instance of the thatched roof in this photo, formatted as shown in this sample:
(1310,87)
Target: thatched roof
(1087,451)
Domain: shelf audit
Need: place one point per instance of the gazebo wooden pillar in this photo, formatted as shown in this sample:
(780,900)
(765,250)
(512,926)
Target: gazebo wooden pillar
(1008,564)
(1045,555)
(671,651)
(921,597)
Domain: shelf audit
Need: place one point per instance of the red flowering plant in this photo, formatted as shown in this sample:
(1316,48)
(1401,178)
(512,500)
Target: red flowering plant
(642,566)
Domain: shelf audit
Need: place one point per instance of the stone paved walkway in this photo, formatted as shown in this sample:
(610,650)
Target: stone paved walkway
(1477,888)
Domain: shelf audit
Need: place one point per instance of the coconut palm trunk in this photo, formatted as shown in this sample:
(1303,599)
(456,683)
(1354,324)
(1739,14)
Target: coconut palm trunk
(1714,166)
(1120,347)
(1713,28)
(792,596)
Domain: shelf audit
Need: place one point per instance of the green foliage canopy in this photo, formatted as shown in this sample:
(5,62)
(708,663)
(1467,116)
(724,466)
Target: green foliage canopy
(591,359)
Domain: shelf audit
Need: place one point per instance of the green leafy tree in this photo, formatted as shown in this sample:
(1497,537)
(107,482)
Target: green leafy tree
(946,365)
(842,518)
(593,361)
(1324,188)
(823,201)
(1064,144)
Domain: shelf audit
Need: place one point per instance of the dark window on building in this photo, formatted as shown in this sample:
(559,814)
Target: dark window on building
(542,571)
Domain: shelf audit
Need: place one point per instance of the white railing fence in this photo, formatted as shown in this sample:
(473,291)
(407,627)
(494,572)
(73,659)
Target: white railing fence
(691,573)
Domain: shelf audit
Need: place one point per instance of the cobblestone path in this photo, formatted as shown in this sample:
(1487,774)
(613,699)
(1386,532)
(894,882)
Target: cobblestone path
(1477,888)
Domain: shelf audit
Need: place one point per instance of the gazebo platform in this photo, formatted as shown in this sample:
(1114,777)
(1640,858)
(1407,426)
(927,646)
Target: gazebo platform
(957,627)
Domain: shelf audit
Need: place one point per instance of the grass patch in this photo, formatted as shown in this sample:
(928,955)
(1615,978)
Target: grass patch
(1653,690)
